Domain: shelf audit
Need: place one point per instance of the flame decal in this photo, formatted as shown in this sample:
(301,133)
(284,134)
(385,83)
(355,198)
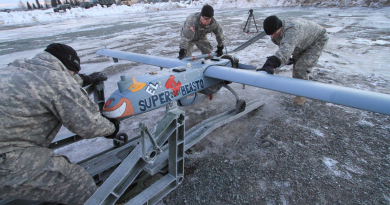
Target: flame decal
(122,109)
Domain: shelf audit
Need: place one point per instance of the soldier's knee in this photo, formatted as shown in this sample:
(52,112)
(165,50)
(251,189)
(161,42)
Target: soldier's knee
(302,74)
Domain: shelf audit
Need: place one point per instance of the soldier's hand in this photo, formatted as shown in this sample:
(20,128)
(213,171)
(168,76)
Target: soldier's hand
(272,61)
(270,65)
(268,69)
(98,77)
(182,53)
(94,78)
(219,50)
(117,127)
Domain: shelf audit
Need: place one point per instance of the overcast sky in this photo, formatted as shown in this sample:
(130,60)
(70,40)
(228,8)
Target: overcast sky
(9,3)
(14,3)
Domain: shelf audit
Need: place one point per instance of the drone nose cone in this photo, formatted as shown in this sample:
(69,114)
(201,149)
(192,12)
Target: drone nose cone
(117,107)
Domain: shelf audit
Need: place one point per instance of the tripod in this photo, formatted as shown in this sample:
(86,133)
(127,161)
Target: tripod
(248,22)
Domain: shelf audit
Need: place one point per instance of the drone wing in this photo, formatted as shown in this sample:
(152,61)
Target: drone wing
(141,58)
(361,99)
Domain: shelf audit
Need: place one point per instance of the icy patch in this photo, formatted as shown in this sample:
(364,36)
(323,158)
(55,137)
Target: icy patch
(318,132)
(198,111)
(334,29)
(354,169)
(363,122)
(262,185)
(369,42)
(331,164)
(386,198)
(345,109)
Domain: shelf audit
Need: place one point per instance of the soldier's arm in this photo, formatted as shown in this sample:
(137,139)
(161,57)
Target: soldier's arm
(290,40)
(78,79)
(79,114)
(218,31)
(187,33)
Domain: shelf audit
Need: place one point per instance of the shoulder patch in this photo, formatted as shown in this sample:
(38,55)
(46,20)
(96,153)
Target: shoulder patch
(192,29)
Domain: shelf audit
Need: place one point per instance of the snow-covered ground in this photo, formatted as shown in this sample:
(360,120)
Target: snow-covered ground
(44,16)
(356,56)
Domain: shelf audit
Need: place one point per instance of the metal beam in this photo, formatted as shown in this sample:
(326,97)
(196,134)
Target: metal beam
(170,128)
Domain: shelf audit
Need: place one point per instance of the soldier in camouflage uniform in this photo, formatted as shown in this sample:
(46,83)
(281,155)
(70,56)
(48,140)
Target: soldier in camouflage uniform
(303,40)
(39,95)
(194,32)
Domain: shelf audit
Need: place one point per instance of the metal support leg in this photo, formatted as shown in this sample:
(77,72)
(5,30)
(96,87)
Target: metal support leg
(172,129)
(148,155)
(232,91)
(175,176)
(98,95)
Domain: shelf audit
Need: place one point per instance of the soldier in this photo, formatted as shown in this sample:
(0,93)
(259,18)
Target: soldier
(194,31)
(39,95)
(303,40)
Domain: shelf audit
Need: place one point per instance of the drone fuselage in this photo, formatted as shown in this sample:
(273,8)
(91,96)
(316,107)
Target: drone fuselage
(144,93)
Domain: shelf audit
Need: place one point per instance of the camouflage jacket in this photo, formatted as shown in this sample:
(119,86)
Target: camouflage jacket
(296,36)
(194,30)
(39,95)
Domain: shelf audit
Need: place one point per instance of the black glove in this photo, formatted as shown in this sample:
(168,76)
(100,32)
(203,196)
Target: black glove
(182,53)
(290,61)
(94,78)
(116,124)
(268,69)
(219,50)
(270,65)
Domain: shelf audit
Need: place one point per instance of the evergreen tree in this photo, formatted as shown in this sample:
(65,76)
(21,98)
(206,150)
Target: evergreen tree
(38,4)
(47,4)
(66,2)
(29,6)
(22,6)
(77,2)
(33,5)
(53,3)
(59,2)
(72,3)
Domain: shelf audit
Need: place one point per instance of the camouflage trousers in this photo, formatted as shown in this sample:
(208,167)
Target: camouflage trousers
(37,174)
(304,63)
(203,45)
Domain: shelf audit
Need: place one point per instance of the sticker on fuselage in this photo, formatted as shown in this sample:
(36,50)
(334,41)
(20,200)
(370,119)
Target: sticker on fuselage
(168,95)
(171,84)
(151,89)
(137,86)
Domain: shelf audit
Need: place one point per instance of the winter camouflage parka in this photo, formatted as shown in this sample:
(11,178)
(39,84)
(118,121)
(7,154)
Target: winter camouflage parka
(296,36)
(39,95)
(193,30)
(305,41)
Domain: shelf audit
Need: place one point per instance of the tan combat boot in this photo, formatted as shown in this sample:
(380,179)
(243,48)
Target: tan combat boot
(298,100)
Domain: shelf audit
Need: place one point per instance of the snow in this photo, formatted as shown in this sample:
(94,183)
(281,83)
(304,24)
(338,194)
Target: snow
(44,16)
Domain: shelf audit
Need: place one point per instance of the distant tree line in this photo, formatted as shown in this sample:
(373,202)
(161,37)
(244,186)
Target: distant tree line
(47,4)
(54,3)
